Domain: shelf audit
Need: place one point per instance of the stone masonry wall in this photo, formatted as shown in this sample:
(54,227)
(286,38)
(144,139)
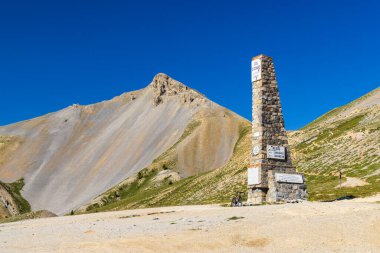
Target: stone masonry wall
(284,192)
(268,124)
(268,129)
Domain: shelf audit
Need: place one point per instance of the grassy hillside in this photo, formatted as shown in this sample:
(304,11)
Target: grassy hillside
(12,192)
(346,139)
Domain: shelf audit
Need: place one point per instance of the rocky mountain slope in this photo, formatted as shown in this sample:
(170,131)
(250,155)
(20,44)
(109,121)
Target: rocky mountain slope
(346,138)
(157,186)
(69,157)
(167,144)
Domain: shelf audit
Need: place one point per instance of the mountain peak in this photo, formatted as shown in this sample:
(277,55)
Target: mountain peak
(161,75)
(163,82)
(164,87)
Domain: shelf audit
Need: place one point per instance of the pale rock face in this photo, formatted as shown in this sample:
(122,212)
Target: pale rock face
(71,156)
(211,145)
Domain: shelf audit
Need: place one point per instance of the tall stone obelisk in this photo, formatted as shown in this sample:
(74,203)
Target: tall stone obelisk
(271,176)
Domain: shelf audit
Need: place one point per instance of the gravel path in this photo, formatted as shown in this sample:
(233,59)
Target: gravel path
(344,226)
(352,182)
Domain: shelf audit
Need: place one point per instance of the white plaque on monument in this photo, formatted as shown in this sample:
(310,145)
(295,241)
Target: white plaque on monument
(256,150)
(256,70)
(253,176)
(289,178)
(276,152)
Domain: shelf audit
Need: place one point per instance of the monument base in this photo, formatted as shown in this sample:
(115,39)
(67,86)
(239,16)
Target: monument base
(281,187)
(285,191)
(256,196)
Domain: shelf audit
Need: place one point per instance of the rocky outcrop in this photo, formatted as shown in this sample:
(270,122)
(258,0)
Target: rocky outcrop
(8,206)
(163,87)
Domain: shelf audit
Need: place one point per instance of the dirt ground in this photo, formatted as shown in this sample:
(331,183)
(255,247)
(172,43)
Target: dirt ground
(344,226)
(352,182)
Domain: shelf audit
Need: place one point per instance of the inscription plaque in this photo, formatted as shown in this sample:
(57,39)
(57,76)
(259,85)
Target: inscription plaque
(276,152)
(256,150)
(288,178)
(256,70)
(253,176)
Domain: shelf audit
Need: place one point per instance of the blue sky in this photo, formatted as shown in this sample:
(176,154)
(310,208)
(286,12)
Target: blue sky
(56,53)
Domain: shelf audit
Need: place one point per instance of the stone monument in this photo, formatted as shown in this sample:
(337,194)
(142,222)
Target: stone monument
(271,176)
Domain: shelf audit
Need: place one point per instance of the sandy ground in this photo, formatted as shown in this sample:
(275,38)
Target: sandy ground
(344,226)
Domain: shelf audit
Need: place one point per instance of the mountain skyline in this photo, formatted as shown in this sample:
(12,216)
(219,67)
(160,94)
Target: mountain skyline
(181,134)
(57,54)
(117,95)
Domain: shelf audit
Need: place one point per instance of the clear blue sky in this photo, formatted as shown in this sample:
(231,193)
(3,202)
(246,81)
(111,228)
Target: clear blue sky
(56,53)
